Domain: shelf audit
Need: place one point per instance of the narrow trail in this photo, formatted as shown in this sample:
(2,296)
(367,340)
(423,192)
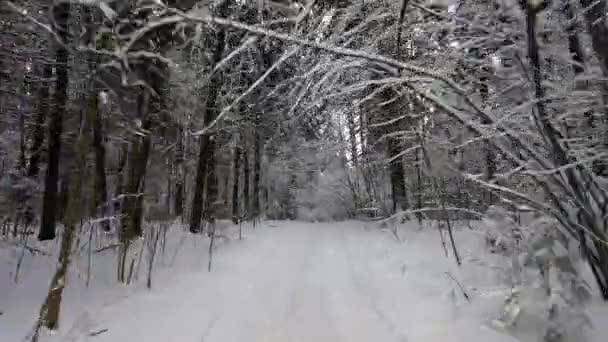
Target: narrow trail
(297,282)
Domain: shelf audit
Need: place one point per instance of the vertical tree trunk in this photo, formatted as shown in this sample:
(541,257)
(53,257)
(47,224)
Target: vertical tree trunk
(63,194)
(132,204)
(246,180)
(349,181)
(61,14)
(212,194)
(257,168)
(21,163)
(41,115)
(397,176)
(354,152)
(419,182)
(49,312)
(490,153)
(122,162)
(207,143)
(178,204)
(364,161)
(196,213)
(137,163)
(236,168)
(101,192)
(352,137)
(226,193)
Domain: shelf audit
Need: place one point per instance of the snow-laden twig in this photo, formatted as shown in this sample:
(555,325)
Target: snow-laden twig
(464,292)
(31,249)
(405,213)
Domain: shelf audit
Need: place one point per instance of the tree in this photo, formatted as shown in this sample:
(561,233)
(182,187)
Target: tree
(205,173)
(60,17)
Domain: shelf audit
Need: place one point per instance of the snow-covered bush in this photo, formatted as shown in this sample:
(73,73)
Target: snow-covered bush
(548,295)
(502,233)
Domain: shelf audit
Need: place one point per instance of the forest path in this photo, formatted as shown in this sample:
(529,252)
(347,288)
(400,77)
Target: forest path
(294,281)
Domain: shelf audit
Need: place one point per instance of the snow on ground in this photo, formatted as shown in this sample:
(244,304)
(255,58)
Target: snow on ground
(286,281)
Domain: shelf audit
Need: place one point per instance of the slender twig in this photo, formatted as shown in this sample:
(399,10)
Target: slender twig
(464,292)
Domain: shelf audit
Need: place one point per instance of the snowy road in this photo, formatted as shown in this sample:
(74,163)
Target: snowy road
(302,282)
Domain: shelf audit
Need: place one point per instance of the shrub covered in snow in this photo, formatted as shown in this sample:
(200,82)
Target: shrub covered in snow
(548,295)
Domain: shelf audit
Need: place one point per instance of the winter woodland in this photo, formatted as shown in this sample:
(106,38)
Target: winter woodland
(314,170)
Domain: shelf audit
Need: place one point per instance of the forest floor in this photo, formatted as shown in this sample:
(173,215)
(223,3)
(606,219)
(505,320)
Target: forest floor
(289,282)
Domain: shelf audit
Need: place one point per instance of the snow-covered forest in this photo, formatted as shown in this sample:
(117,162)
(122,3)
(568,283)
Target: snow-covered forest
(304,170)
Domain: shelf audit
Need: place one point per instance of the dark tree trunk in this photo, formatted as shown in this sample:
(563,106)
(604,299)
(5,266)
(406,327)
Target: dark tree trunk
(236,172)
(21,142)
(101,192)
(199,185)
(207,143)
(419,182)
(212,199)
(178,205)
(41,115)
(49,203)
(246,180)
(257,169)
(100,198)
(397,173)
(490,153)
(122,162)
(137,163)
(226,193)
(49,313)
(62,195)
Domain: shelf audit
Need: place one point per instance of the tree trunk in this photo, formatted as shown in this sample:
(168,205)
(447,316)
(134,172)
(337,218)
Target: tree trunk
(63,194)
(354,156)
(178,204)
(397,175)
(490,153)
(236,168)
(49,312)
(207,143)
(41,115)
(352,137)
(137,163)
(101,192)
(21,163)
(419,182)
(212,199)
(246,179)
(226,193)
(122,162)
(344,161)
(49,202)
(199,185)
(257,169)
